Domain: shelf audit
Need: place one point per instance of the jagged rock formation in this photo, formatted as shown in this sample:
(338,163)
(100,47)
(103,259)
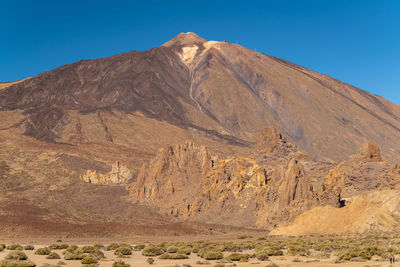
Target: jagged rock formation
(119,174)
(187,182)
(362,172)
(173,175)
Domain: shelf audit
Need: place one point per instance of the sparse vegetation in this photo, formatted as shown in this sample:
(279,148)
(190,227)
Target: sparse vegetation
(150,260)
(29,247)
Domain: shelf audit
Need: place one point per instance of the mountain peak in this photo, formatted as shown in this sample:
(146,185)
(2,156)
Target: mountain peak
(183,38)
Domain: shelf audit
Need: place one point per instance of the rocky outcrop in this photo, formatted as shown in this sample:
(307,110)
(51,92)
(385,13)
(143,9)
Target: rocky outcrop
(119,174)
(173,175)
(370,211)
(187,182)
(361,172)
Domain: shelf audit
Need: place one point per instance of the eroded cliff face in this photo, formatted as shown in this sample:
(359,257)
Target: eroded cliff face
(119,174)
(173,175)
(187,182)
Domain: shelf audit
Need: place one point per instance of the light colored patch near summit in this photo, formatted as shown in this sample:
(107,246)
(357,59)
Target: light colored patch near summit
(188,53)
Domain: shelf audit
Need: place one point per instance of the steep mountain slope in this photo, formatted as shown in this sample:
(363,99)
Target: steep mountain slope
(185,132)
(216,89)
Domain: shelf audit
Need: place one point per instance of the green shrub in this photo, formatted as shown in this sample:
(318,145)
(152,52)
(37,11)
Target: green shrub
(53,256)
(212,255)
(58,246)
(272,251)
(172,249)
(123,251)
(88,260)
(261,256)
(97,254)
(99,246)
(73,256)
(238,257)
(16,255)
(43,251)
(29,247)
(85,249)
(139,247)
(14,247)
(151,250)
(150,260)
(71,249)
(184,250)
(112,246)
(2,247)
(120,263)
(173,256)
(8,263)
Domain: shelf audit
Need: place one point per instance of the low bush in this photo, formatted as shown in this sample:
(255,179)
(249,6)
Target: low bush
(172,249)
(123,251)
(272,251)
(97,254)
(173,256)
(261,256)
(9,263)
(184,250)
(29,247)
(16,255)
(58,246)
(139,247)
(88,260)
(53,256)
(99,246)
(2,247)
(73,256)
(238,257)
(43,251)
(85,249)
(14,247)
(151,250)
(112,246)
(212,255)
(150,260)
(120,263)
(71,249)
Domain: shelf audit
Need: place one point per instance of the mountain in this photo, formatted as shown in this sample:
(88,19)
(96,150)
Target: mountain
(218,128)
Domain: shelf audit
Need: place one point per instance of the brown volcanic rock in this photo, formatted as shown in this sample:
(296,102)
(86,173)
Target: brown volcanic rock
(361,172)
(173,175)
(188,183)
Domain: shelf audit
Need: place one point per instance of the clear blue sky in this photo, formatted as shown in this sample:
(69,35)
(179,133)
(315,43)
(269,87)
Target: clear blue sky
(357,42)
